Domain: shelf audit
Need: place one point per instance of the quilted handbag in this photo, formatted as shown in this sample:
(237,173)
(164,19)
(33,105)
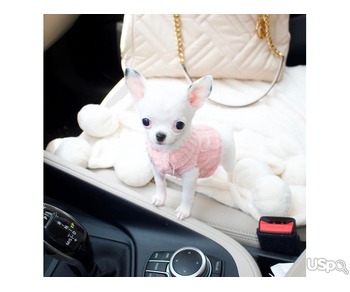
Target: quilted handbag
(225,46)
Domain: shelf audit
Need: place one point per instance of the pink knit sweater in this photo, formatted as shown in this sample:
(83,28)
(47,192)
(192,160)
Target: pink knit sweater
(202,149)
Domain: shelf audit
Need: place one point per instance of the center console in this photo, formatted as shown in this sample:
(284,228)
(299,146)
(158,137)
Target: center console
(92,228)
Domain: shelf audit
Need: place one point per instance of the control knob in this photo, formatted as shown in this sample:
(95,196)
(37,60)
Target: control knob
(189,262)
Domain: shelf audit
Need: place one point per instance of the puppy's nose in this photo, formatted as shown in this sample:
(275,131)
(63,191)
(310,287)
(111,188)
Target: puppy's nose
(160,136)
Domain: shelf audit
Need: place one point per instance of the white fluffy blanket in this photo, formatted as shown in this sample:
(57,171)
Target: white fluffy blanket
(269,176)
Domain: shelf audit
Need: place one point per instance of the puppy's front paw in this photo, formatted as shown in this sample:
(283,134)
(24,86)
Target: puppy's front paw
(183,212)
(158,200)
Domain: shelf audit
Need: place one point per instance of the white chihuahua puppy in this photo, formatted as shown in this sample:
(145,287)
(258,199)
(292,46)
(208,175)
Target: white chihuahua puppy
(175,146)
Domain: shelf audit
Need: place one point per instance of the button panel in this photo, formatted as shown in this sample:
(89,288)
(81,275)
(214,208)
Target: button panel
(158,264)
(161,256)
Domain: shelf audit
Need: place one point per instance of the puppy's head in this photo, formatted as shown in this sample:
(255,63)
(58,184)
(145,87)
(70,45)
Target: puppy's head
(166,112)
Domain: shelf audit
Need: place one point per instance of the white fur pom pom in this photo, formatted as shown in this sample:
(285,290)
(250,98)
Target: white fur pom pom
(97,121)
(272,196)
(262,192)
(74,150)
(132,164)
(53,145)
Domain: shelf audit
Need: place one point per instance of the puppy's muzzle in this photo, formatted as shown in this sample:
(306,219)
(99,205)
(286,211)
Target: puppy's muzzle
(160,136)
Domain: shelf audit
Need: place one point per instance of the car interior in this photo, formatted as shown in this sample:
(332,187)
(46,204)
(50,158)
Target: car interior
(95,225)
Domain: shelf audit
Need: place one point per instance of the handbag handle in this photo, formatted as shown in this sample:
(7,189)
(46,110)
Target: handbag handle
(262,30)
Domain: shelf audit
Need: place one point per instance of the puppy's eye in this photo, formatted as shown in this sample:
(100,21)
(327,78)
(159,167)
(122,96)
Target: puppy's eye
(179,125)
(146,122)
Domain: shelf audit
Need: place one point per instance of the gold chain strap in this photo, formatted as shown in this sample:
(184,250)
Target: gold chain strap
(179,41)
(263,30)
(180,46)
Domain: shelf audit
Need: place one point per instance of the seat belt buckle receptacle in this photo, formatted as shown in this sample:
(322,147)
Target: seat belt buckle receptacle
(278,234)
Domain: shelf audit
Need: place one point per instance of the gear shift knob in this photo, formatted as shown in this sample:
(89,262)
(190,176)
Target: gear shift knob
(67,240)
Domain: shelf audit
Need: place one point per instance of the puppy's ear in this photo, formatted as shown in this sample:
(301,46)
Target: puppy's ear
(199,91)
(135,82)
